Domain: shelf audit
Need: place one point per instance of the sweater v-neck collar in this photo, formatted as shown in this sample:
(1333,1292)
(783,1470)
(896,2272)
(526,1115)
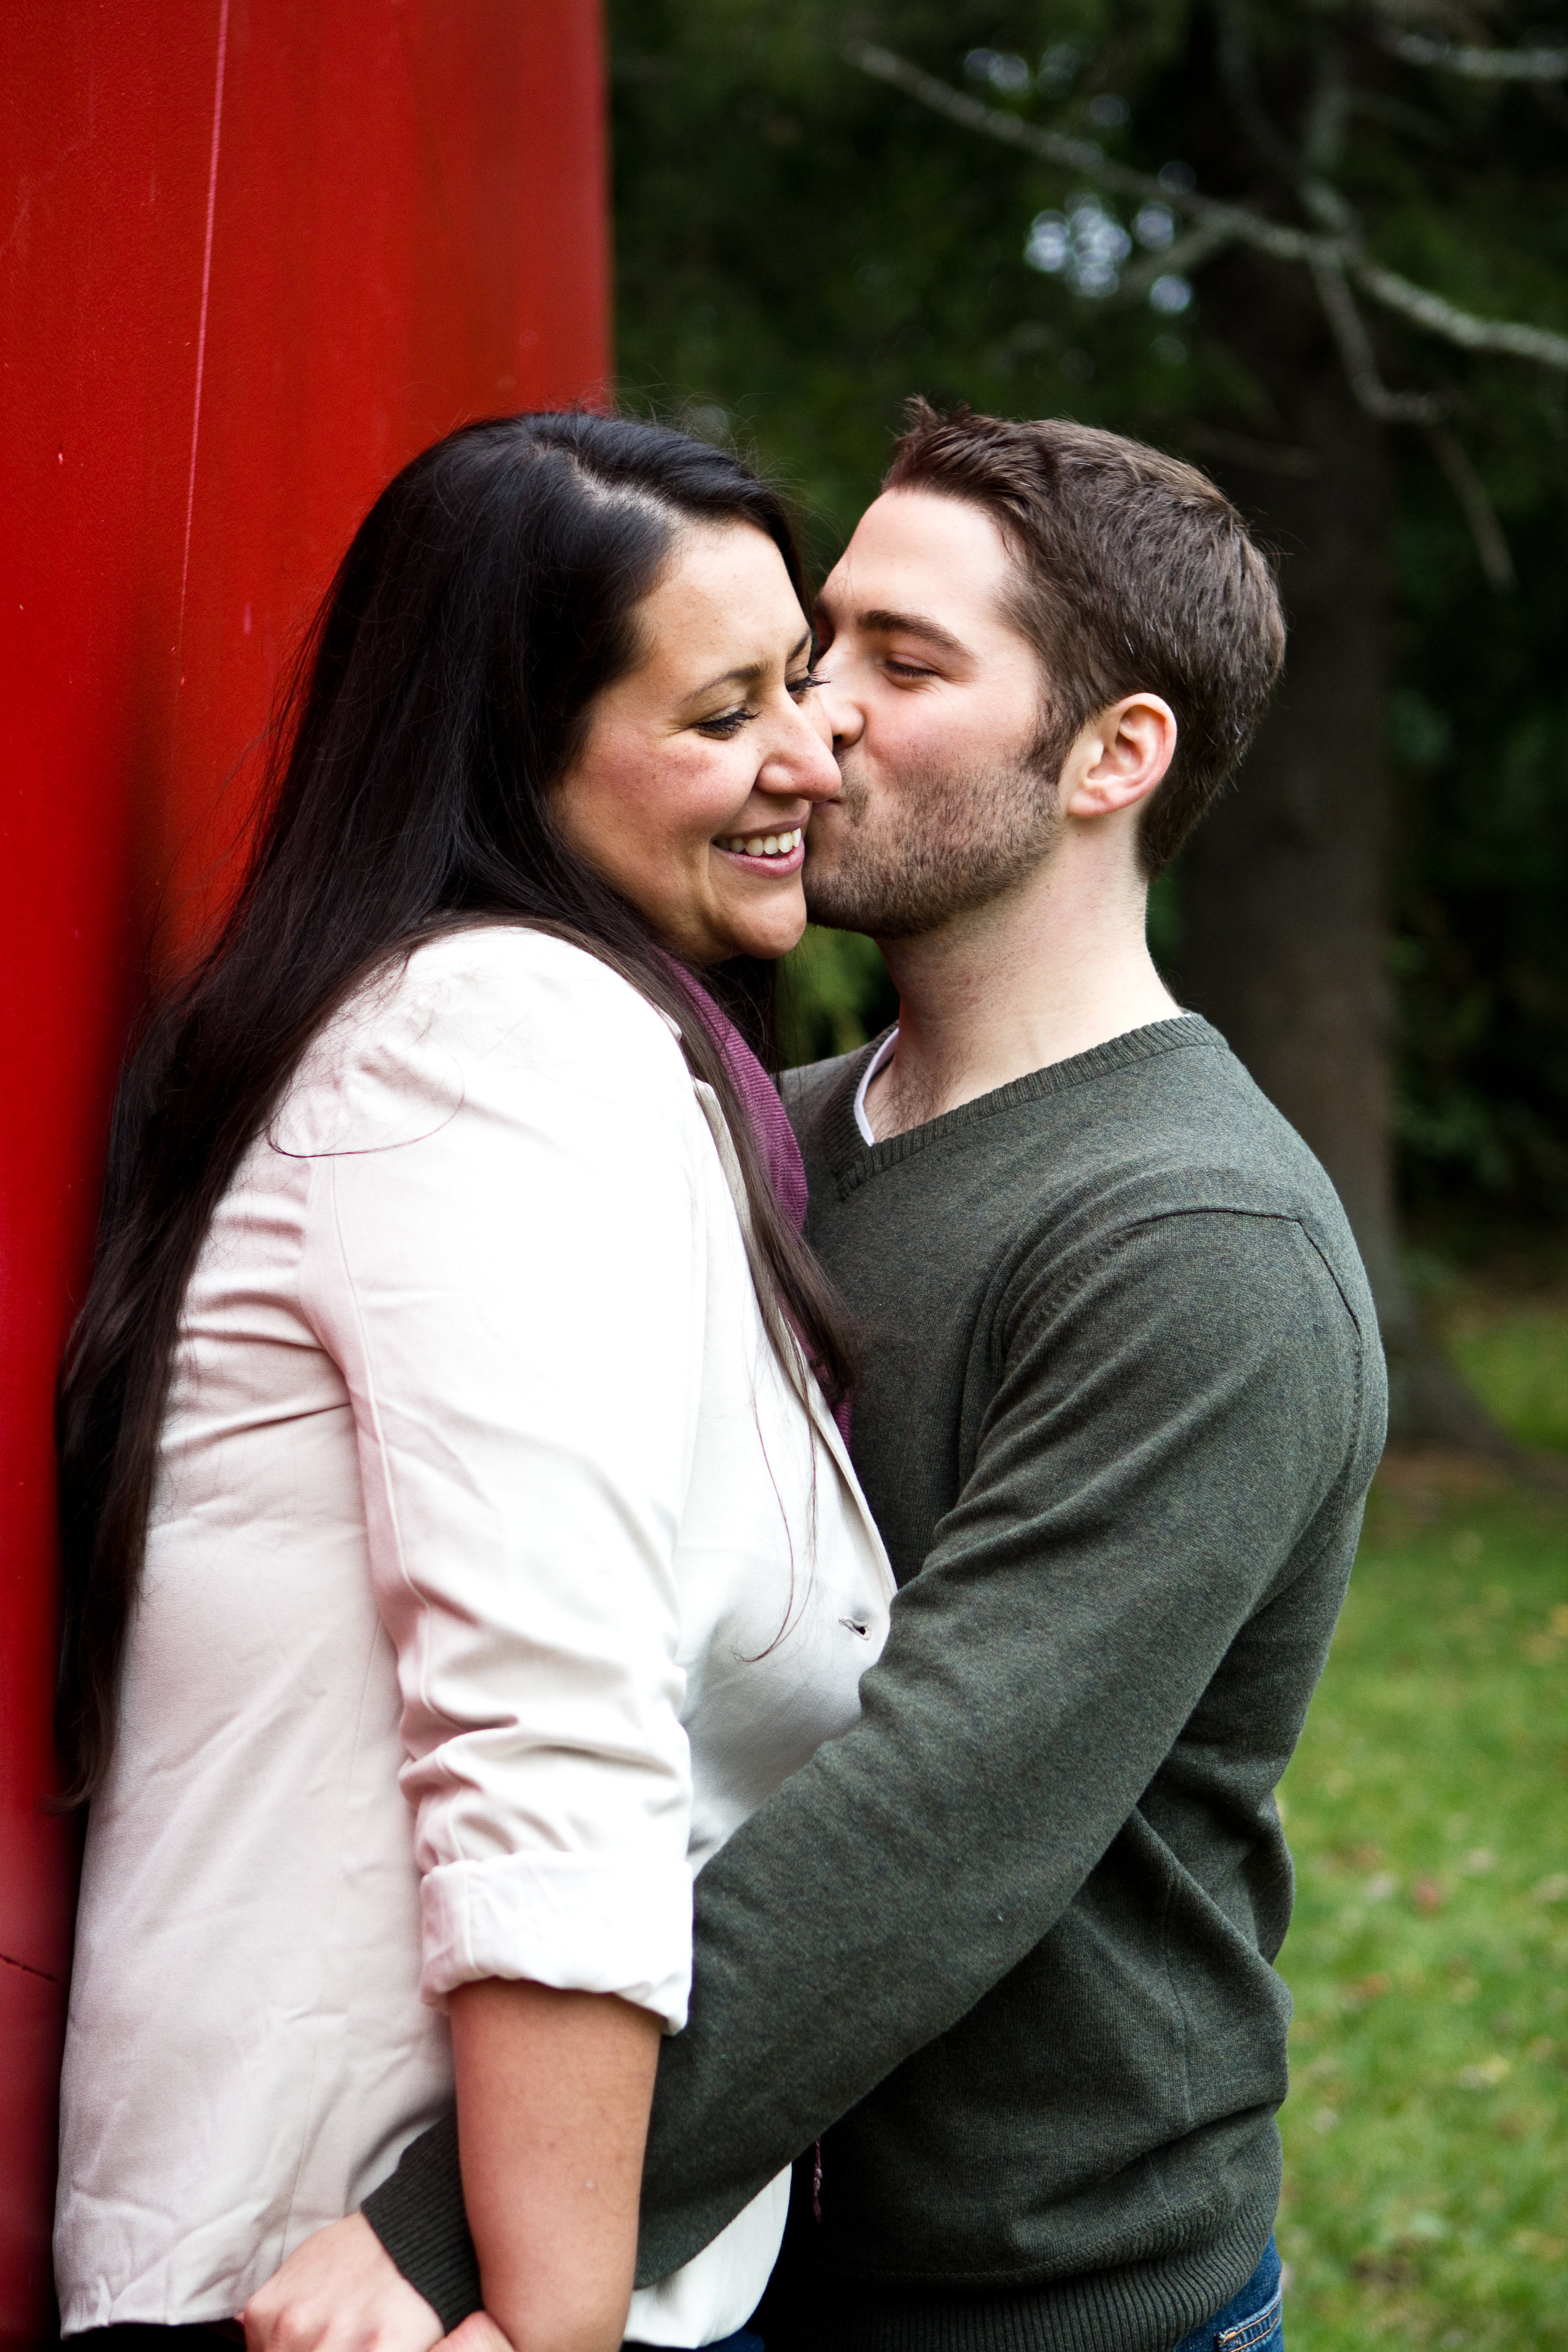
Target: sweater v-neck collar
(852,1160)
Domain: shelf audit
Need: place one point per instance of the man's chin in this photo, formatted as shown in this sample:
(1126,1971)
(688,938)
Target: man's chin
(849,892)
(834,911)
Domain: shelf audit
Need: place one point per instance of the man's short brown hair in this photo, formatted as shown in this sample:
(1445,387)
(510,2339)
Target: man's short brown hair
(1134,573)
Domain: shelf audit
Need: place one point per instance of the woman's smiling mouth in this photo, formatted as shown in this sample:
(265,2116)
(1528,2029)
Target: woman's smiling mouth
(768,853)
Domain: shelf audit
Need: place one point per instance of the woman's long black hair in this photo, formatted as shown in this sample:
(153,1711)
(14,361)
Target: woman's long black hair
(486,599)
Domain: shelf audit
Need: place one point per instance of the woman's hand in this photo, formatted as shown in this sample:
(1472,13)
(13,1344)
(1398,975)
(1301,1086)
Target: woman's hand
(342,2291)
(554,2093)
(478,2333)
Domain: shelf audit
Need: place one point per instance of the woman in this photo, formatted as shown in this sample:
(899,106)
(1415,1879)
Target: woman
(441,1414)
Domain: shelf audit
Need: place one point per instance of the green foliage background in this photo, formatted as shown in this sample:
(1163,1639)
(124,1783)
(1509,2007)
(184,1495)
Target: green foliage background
(799,247)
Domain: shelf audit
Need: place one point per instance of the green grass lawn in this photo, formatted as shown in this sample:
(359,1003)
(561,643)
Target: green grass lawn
(1514,1352)
(1427,2131)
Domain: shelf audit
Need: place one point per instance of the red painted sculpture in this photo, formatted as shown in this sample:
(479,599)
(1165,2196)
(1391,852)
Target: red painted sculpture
(252,257)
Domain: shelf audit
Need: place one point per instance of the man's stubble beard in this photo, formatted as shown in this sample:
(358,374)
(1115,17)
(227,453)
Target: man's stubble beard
(950,843)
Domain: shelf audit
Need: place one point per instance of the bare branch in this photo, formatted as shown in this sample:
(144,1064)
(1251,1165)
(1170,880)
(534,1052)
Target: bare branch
(1497,562)
(1077,155)
(1329,258)
(1240,76)
(1360,360)
(1328,112)
(1083,156)
(1188,253)
(1477,64)
(1258,456)
(1456,326)
(1239,222)
(1398,114)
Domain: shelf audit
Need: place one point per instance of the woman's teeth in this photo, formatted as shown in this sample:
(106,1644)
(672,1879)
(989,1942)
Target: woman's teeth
(763,845)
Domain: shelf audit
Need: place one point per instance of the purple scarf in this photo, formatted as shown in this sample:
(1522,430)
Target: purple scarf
(769,1121)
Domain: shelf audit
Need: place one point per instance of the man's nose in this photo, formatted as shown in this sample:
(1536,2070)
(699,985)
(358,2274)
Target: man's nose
(843,712)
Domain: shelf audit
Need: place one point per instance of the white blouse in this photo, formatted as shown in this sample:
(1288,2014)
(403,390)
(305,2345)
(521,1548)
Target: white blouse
(496,1572)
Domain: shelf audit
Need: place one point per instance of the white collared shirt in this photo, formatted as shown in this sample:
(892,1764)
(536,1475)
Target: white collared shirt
(878,1061)
(495,1573)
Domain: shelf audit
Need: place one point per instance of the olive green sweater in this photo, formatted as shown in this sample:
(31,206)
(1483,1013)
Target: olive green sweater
(1004,1950)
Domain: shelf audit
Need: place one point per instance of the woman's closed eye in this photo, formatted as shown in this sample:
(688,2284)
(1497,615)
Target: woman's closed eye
(724,724)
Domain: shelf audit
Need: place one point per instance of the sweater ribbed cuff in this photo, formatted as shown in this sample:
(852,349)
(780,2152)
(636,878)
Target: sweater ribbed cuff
(418,2216)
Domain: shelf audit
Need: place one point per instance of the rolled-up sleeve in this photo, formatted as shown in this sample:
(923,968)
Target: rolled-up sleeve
(507,1262)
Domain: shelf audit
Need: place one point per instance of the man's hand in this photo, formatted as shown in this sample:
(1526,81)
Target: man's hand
(342,2291)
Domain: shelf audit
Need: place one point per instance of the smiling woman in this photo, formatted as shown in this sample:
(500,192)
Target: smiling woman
(443,1441)
(701,771)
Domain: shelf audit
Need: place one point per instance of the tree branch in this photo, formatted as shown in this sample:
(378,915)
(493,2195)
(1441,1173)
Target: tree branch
(1085,155)
(1349,333)
(1496,561)
(1189,252)
(1478,65)
(1283,243)
(1240,76)
(1456,326)
(1260,456)
(1328,112)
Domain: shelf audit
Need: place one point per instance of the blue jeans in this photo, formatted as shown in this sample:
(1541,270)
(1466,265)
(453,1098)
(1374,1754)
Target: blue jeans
(743,2342)
(1252,2321)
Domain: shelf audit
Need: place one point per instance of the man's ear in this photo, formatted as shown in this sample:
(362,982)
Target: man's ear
(1119,757)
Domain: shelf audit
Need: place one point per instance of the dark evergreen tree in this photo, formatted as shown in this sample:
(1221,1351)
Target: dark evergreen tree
(1320,249)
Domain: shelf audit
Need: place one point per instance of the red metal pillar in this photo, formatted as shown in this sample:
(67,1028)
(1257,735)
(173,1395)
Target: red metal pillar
(253,254)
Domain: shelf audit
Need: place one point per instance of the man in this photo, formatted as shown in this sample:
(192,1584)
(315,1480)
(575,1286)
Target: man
(998,1961)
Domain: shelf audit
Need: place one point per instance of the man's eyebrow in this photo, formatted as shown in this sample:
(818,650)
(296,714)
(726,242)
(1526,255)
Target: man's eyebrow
(880,624)
(747,673)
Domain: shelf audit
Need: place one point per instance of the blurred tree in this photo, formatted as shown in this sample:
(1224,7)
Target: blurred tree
(837,993)
(1283,238)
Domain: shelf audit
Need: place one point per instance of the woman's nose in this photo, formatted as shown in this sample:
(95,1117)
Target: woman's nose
(804,765)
